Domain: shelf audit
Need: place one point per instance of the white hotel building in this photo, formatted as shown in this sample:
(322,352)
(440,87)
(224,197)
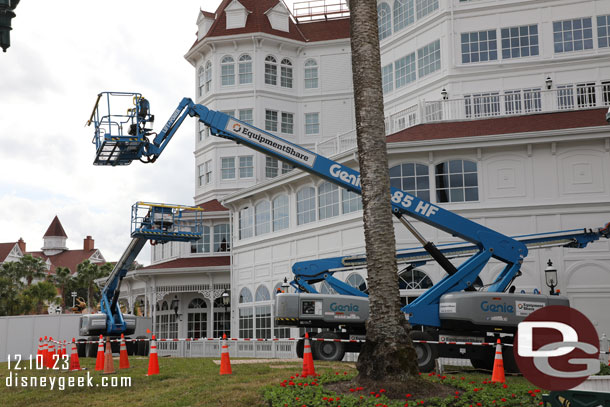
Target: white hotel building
(495,109)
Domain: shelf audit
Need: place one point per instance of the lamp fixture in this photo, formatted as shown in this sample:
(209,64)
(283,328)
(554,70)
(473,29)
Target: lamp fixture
(444,94)
(548,82)
(550,274)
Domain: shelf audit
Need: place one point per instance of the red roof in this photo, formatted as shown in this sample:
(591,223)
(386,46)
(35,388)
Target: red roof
(69,258)
(212,206)
(189,262)
(208,14)
(258,22)
(5,249)
(55,229)
(502,125)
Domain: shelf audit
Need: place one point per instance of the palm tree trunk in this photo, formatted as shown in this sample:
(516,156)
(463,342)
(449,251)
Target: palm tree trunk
(388,353)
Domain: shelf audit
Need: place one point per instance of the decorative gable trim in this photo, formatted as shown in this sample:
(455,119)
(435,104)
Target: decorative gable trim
(278,17)
(97,257)
(236,15)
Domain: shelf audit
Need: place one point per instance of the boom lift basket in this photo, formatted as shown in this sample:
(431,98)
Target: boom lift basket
(163,222)
(120,133)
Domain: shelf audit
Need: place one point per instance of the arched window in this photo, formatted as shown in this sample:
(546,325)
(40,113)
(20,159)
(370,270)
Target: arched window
(166,325)
(246,320)
(246,222)
(456,181)
(350,201)
(286,73)
(208,76)
(270,70)
(384,20)
(357,281)
(328,200)
(306,205)
(311,74)
(263,313)
(325,288)
(203,244)
(164,306)
(222,319)
(227,71)
(263,217)
(197,303)
(413,279)
(222,237)
(245,69)
(404,13)
(412,178)
(262,294)
(281,213)
(201,79)
(245,296)
(197,319)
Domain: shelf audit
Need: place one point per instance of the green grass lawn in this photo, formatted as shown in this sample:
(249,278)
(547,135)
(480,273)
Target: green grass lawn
(181,382)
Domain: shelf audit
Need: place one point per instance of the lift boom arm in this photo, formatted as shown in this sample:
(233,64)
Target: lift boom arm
(485,243)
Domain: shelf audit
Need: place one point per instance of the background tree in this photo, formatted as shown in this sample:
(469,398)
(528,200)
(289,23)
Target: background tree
(31,268)
(61,279)
(11,286)
(388,352)
(86,274)
(41,294)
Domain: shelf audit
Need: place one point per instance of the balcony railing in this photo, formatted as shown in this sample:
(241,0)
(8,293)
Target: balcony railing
(483,105)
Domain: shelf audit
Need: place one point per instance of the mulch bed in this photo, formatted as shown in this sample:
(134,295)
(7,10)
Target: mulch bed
(416,388)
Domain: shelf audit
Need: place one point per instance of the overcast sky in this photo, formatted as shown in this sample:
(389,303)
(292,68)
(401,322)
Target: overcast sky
(61,56)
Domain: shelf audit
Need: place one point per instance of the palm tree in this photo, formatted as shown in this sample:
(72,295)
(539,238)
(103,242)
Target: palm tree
(388,353)
(31,268)
(61,279)
(10,289)
(87,273)
(41,294)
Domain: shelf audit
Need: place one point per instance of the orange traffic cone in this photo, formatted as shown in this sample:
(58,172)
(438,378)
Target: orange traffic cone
(74,362)
(124,360)
(153,359)
(51,354)
(108,362)
(498,373)
(225,361)
(99,361)
(45,352)
(308,367)
(64,349)
(39,350)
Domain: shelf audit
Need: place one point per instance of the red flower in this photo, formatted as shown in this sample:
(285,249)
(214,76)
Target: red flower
(382,391)
(408,395)
(536,390)
(462,378)
(457,392)
(505,385)
(377,395)
(503,399)
(352,390)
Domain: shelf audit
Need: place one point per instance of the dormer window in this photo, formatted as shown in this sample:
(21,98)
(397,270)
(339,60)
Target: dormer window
(278,17)
(236,14)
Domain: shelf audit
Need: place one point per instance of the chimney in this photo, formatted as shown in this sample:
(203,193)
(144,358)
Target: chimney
(21,244)
(88,243)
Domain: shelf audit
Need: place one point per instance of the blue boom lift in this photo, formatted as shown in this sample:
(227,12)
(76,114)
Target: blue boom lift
(439,310)
(159,223)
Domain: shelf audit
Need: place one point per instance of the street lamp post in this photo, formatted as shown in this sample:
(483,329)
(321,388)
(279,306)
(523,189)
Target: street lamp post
(550,274)
(226,302)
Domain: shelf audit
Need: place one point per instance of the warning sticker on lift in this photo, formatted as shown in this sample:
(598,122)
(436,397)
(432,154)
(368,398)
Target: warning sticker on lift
(447,308)
(524,308)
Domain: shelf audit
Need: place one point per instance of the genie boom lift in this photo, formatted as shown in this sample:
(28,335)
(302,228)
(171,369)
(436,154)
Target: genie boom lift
(457,308)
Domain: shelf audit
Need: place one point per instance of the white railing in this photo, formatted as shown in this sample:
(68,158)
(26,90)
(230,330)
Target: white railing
(476,106)
(211,348)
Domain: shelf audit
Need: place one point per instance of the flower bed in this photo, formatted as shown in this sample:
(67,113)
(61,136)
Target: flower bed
(469,390)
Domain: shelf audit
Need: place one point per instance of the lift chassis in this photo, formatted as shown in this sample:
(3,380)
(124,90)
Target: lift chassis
(452,308)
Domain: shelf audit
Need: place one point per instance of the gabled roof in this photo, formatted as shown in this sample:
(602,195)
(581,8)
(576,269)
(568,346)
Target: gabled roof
(6,249)
(208,14)
(191,262)
(55,229)
(69,258)
(502,125)
(258,22)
